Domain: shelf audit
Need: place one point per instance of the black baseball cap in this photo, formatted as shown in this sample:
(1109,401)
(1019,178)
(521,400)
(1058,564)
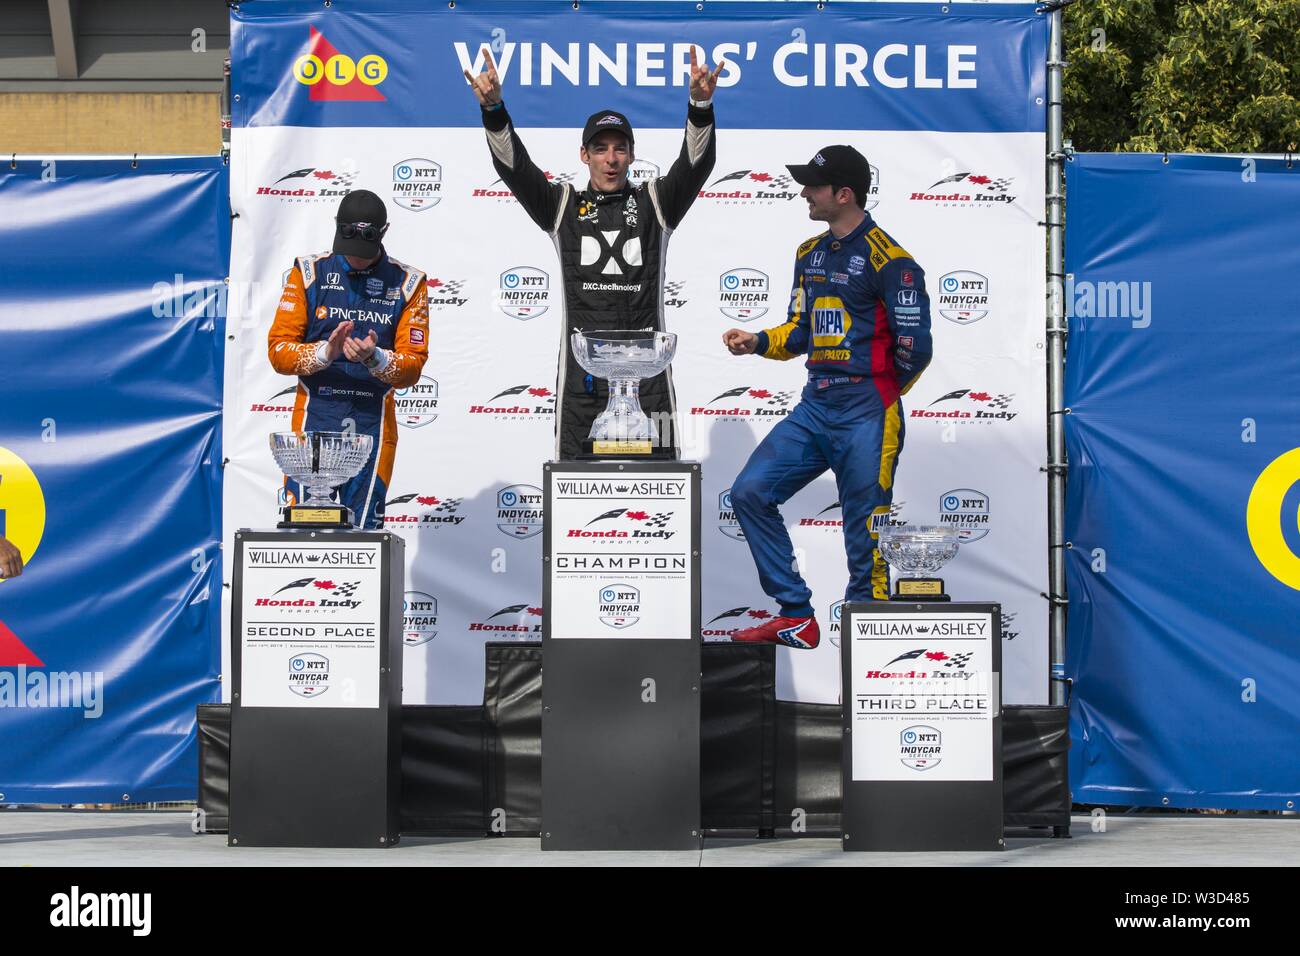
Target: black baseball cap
(363,214)
(606,120)
(835,166)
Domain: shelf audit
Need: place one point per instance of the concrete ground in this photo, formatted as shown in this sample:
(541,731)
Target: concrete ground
(164,838)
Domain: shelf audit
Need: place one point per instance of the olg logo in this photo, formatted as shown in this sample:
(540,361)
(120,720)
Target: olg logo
(742,294)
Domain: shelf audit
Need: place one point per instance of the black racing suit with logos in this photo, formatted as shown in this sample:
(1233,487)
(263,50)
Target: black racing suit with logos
(613,249)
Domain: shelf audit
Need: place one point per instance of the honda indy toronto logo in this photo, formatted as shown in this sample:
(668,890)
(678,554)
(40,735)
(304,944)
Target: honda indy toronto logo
(619,605)
(963,297)
(419,618)
(519,402)
(446,293)
(417,405)
(310,184)
(743,294)
(499,192)
(524,292)
(826,519)
(514,621)
(723,626)
(967,510)
(280,404)
(920,747)
(519,511)
(751,187)
(323,593)
(417,184)
(309,674)
(727,522)
(673,292)
(422,511)
(968,191)
(744,402)
(626,523)
(966,406)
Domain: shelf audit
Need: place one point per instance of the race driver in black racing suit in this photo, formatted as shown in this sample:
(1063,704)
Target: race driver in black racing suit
(612,238)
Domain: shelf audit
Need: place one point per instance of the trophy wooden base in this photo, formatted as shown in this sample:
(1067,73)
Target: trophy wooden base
(919,589)
(316,516)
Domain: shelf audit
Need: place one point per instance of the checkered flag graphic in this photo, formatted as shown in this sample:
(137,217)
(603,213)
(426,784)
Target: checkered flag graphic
(451,286)
(781,399)
(781,181)
(449,505)
(658,520)
(562,177)
(1000,401)
(959,660)
(672,288)
(345,590)
(999,185)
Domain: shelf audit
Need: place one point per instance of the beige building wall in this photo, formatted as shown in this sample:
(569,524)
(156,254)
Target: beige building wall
(47,123)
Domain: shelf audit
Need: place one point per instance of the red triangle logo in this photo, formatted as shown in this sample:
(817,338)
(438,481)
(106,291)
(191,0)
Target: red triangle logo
(354,89)
(14,652)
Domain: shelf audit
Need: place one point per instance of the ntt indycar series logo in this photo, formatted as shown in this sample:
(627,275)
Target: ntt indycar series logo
(723,626)
(309,674)
(642,171)
(519,511)
(743,294)
(519,402)
(967,405)
(920,747)
(751,187)
(967,510)
(417,405)
(743,402)
(417,184)
(524,292)
(514,620)
(626,523)
(968,191)
(310,184)
(963,297)
(619,605)
(419,618)
(422,511)
(727,522)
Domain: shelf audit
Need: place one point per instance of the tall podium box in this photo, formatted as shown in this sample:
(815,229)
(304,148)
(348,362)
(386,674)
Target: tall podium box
(315,719)
(922,702)
(621,656)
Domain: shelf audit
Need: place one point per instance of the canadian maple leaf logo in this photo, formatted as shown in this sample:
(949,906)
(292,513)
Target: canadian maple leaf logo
(325,585)
(428,500)
(637,515)
(535,611)
(979,180)
(760,177)
(760,614)
(539,392)
(760,393)
(434,283)
(936,656)
(323,174)
(980,396)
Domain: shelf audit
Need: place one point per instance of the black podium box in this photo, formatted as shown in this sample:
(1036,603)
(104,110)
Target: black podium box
(315,742)
(621,656)
(922,706)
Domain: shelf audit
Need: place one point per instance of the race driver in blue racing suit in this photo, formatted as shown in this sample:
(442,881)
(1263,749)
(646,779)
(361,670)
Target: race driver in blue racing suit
(860,313)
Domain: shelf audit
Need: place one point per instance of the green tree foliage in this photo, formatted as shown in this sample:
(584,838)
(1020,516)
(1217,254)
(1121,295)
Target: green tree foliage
(1183,75)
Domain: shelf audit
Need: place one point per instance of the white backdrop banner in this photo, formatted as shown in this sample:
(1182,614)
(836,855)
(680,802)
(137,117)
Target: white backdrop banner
(949,108)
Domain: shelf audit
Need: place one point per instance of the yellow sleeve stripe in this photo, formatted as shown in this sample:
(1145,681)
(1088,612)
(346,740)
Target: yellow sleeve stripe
(807,246)
(779,335)
(883,249)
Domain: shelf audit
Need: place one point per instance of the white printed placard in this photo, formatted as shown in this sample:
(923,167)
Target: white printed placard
(924,695)
(309,625)
(621,562)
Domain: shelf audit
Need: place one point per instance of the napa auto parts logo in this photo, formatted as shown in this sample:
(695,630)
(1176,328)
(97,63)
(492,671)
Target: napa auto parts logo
(417,184)
(968,191)
(619,605)
(515,620)
(727,522)
(501,193)
(519,511)
(963,297)
(419,618)
(313,592)
(723,626)
(967,510)
(743,294)
(310,184)
(446,293)
(750,187)
(417,405)
(281,403)
(331,76)
(309,674)
(524,292)
(518,402)
(422,511)
(745,402)
(626,523)
(967,406)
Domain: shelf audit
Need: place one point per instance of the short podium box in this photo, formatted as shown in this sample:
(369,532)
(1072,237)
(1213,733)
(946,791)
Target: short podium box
(621,656)
(922,703)
(316,635)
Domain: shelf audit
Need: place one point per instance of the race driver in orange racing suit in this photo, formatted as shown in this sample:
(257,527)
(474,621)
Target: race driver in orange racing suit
(353,325)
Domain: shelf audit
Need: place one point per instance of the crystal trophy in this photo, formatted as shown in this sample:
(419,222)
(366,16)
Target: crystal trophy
(916,554)
(320,462)
(624,359)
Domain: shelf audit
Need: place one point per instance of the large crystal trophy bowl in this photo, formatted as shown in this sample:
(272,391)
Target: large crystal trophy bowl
(320,462)
(916,553)
(624,359)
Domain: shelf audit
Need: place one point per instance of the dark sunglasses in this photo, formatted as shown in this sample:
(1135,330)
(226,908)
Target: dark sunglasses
(352,230)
